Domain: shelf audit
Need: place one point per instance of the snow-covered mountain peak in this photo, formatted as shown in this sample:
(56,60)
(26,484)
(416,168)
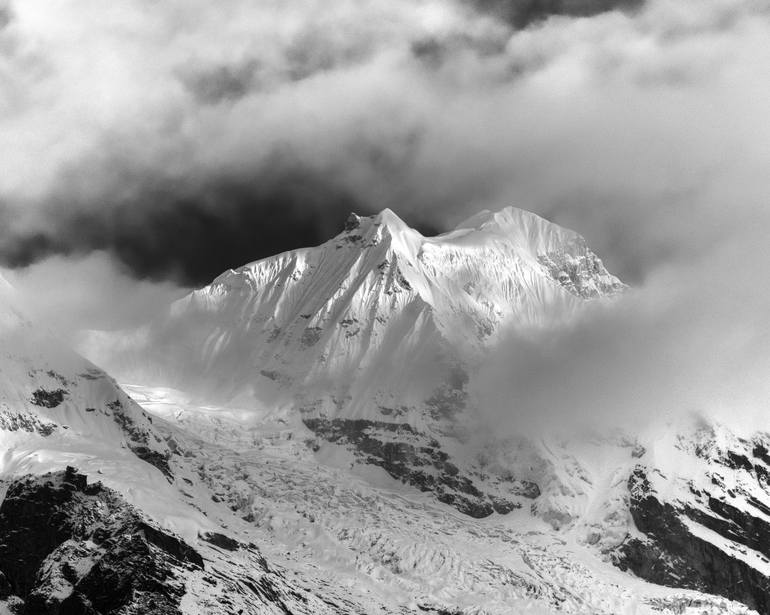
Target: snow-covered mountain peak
(518,228)
(504,218)
(387,219)
(507,218)
(377,293)
(524,230)
(380,288)
(383,228)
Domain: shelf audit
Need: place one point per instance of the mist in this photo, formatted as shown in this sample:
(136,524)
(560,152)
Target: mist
(690,341)
(68,295)
(149,147)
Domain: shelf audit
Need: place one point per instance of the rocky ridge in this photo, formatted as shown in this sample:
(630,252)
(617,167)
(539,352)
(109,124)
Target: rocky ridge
(67,546)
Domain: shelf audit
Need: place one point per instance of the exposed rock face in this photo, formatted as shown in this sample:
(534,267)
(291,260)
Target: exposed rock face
(68,547)
(417,460)
(715,537)
(48,399)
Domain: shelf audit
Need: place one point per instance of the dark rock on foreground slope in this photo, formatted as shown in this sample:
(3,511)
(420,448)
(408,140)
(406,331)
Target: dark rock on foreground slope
(418,460)
(718,539)
(69,547)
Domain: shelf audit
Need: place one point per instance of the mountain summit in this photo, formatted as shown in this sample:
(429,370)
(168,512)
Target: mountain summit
(377,295)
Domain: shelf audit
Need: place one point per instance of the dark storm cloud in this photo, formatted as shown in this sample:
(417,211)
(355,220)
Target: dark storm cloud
(192,235)
(186,146)
(522,13)
(190,232)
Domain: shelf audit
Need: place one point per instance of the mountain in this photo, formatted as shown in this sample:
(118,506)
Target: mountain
(699,499)
(94,516)
(56,410)
(52,398)
(319,404)
(372,337)
(351,320)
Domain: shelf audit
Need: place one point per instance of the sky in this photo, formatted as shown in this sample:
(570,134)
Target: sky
(149,146)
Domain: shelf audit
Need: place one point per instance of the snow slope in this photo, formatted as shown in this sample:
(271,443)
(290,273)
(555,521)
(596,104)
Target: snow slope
(330,523)
(51,398)
(58,409)
(135,543)
(317,404)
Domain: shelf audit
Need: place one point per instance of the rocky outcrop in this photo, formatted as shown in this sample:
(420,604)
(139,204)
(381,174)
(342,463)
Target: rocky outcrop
(140,439)
(675,553)
(417,460)
(48,399)
(69,547)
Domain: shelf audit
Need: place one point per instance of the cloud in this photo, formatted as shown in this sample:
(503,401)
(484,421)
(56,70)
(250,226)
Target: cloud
(120,123)
(522,13)
(190,232)
(186,137)
(693,338)
(72,294)
(185,140)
